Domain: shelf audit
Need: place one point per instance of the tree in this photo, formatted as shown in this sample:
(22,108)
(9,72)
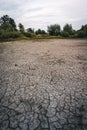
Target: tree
(84,28)
(7,23)
(54,30)
(21,28)
(43,32)
(30,30)
(64,34)
(39,31)
(82,32)
(12,22)
(68,29)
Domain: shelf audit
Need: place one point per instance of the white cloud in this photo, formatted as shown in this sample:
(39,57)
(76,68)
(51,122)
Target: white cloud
(39,14)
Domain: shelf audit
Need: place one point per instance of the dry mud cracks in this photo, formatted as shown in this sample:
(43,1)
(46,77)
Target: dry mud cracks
(43,85)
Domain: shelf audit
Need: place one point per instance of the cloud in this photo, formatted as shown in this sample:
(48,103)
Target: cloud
(39,14)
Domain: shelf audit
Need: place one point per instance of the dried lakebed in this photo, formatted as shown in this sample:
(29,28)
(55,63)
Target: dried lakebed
(43,85)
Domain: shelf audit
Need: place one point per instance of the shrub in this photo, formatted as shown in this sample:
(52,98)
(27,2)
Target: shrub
(64,34)
(81,34)
(8,35)
(29,35)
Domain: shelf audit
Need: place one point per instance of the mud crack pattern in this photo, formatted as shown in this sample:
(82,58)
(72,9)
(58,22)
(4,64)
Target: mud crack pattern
(43,85)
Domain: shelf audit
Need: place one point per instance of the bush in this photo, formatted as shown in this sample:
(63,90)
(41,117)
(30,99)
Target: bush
(64,34)
(81,34)
(14,35)
(27,34)
(41,36)
(9,35)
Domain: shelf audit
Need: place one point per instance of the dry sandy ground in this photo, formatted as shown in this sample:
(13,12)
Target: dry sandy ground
(43,85)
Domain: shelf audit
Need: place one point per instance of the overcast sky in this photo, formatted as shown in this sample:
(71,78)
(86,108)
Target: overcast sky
(40,13)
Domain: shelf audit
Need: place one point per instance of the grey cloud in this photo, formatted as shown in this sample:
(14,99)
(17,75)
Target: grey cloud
(39,13)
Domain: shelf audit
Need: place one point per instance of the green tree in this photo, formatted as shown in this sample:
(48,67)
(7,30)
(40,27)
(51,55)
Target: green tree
(39,31)
(30,30)
(84,28)
(7,23)
(54,29)
(21,28)
(82,32)
(64,34)
(67,29)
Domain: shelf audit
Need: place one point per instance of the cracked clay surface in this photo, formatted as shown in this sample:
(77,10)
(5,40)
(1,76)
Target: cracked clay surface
(43,85)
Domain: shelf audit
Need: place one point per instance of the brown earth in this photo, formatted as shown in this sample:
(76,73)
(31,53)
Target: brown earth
(43,85)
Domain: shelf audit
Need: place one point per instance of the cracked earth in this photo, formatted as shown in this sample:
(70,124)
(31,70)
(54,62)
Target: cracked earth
(43,85)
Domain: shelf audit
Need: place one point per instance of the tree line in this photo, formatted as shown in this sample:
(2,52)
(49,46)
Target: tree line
(9,30)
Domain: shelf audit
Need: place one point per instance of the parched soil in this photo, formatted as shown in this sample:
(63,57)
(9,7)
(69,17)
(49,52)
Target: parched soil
(43,85)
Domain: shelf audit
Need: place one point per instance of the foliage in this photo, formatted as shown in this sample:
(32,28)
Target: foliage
(64,34)
(82,33)
(30,30)
(8,30)
(27,34)
(84,28)
(41,36)
(7,23)
(9,35)
(21,28)
(39,31)
(68,29)
(54,30)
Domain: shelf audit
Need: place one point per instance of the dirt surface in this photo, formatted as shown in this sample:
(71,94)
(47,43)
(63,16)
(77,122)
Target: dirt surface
(43,85)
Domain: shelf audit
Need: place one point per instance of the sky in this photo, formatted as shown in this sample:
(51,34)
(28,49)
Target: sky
(41,13)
